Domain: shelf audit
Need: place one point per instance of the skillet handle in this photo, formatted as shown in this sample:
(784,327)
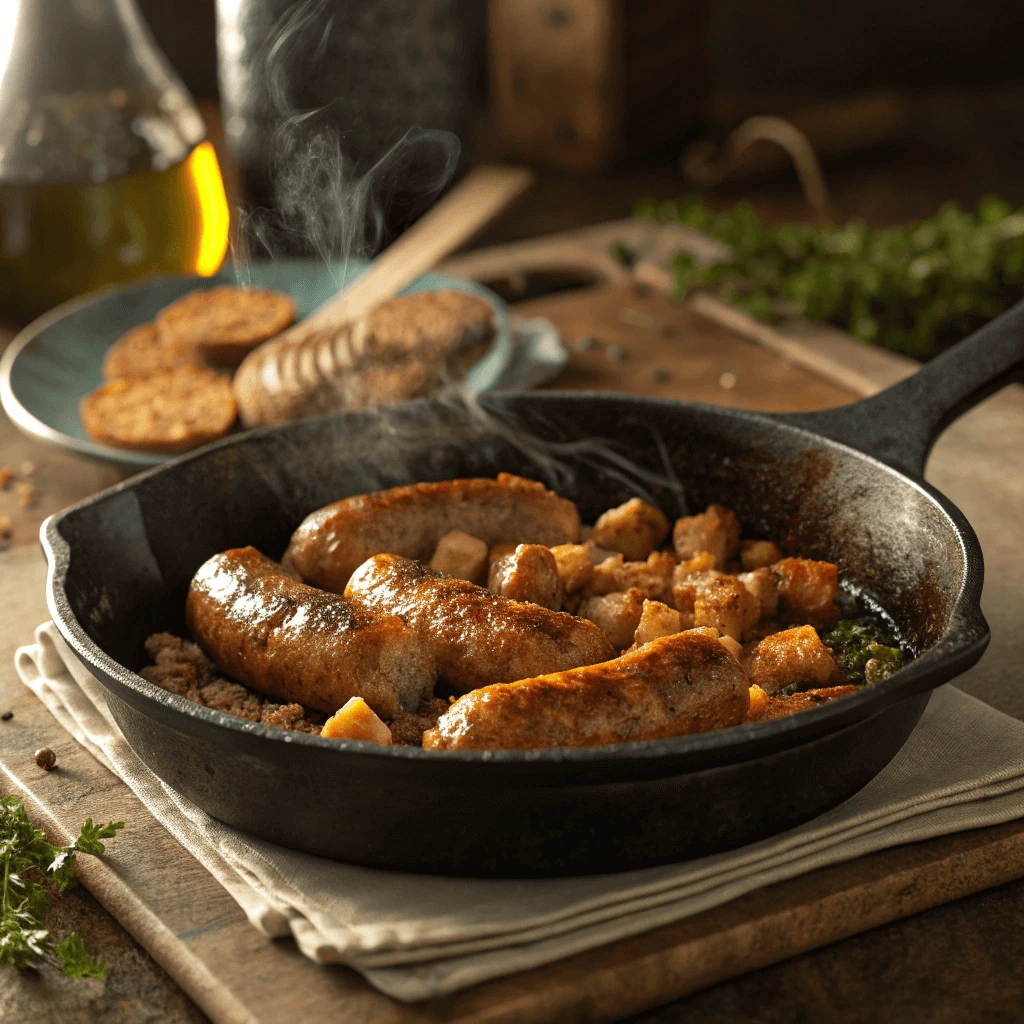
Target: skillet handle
(900,425)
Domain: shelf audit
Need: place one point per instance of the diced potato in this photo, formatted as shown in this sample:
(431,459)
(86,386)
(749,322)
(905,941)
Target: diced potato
(530,574)
(734,648)
(808,591)
(574,566)
(656,620)
(716,530)
(617,614)
(764,585)
(499,550)
(653,577)
(703,561)
(685,585)
(599,554)
(792,656)
(725,603)
(758,554)
(635,529)
(708,631)
(461,555)
(356,721)
(758,703)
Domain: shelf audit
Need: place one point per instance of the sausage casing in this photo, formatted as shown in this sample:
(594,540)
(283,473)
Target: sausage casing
(686,683)
(333,541)
(478,637)
(301,644)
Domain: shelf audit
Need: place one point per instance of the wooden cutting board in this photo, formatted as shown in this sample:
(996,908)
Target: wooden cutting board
(193,928)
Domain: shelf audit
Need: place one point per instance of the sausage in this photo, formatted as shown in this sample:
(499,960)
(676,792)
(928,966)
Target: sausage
(477,637)
(673,686)
(409,521)
(300,644)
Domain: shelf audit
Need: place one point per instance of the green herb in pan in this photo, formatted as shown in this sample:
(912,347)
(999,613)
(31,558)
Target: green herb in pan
(916,289)
(864,652)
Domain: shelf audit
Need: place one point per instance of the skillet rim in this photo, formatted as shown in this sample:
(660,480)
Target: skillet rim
(961,644)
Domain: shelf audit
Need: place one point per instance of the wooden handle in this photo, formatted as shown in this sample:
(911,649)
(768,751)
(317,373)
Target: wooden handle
(475,201)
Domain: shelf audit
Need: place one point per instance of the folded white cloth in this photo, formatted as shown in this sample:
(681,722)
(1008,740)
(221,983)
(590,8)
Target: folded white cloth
(414,936)
(537,357)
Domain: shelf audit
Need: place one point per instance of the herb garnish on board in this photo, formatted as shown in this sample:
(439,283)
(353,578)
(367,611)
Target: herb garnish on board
(25,855)
(916,288)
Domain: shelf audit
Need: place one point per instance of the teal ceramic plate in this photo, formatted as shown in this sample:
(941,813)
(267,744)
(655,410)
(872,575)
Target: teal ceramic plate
(57,360)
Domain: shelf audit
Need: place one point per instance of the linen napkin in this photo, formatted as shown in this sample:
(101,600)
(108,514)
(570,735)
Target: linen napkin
(414,937)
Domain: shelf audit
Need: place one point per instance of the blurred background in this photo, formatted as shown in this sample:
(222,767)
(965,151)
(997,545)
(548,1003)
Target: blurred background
(901,108)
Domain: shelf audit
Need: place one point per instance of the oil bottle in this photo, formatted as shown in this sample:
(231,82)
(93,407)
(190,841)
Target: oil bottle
(105,172)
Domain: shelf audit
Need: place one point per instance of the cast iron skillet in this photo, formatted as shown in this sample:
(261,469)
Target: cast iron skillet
(844,485)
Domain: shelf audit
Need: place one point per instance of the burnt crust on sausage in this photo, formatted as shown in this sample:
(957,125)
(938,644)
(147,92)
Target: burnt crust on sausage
(677,685)
(477,637)
(333,541)
(300,644)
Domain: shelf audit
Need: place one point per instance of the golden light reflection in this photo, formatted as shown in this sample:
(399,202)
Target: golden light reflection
(213,214)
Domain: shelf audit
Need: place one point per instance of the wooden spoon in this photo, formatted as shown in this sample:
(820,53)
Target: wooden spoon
(301,367)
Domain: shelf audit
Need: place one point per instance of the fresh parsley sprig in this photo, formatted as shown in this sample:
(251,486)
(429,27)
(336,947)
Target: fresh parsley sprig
(917,288)
(24,856)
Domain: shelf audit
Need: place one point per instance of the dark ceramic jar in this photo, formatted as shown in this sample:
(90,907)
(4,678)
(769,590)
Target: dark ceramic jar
(298,80)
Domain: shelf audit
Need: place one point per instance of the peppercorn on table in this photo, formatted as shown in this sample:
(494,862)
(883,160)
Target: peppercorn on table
(624,333)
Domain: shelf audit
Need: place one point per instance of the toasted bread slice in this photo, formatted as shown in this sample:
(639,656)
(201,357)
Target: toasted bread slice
(141,352)
(223,325)
(169,412)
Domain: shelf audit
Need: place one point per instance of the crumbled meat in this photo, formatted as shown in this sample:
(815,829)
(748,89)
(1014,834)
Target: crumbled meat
(181,667)
(407,729)
(635,529)
(716,530)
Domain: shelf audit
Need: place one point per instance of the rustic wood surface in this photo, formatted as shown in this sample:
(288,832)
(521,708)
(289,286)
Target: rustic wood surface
(196,932)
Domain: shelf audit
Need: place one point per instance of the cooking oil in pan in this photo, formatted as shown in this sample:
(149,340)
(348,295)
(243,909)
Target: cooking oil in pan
(61,240)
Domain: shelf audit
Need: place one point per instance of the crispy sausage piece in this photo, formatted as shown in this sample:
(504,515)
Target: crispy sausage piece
(792,656)
(301,644)
(764,708)
(672,686)
(477,637)
(332,542)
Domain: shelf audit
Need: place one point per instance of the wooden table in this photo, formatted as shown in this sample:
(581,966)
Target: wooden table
(866,977)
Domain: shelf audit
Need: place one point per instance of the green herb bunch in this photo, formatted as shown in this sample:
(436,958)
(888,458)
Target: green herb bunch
(864,652)
(25,855)
(916,289)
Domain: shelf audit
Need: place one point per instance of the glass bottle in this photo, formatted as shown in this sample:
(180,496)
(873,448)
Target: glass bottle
(105,174)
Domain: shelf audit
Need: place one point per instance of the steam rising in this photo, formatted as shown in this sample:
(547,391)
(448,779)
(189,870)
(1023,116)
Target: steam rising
(324,202)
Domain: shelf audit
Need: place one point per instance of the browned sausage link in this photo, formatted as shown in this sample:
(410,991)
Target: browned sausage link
(409,521)
(279,636)
(679,684)
(477,637)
